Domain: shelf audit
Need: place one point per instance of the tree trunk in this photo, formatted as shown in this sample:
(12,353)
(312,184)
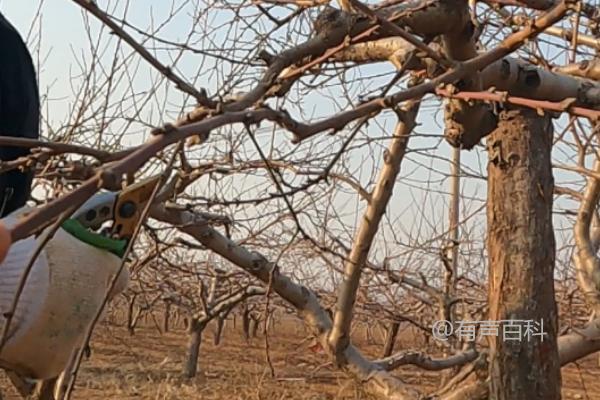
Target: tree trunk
(255,326)
(266,324)
(190,366)
(369,334)
(390,338)
(134,321)
(45,390)
(130,310)
(521,251)
(219,329)
(272,321)
(166,317)
(246,323)
(178,319)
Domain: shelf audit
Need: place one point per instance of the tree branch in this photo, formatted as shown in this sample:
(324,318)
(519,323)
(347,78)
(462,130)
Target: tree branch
(339,338)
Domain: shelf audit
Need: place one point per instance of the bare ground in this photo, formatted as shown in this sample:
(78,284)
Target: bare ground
(148,364)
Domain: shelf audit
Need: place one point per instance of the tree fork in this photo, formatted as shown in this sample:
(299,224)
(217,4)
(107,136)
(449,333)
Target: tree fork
(521,249)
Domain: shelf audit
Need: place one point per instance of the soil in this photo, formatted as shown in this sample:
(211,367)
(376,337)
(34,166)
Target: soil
(148,365)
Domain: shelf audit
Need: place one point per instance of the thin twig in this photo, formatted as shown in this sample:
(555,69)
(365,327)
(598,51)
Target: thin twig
(167,72)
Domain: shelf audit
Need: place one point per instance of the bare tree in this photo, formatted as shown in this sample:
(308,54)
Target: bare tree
(357,227)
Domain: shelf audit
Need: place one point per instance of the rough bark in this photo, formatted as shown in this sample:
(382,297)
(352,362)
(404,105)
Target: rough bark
(521,250)
(190,366)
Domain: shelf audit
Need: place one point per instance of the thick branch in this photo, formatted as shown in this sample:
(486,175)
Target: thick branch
(510,44)
(304,300)
(510,75)
(539,105)
(339,337)
(579,343)
(585,259)
(425,361)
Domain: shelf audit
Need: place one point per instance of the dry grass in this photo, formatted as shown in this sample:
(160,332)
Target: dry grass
(147,366)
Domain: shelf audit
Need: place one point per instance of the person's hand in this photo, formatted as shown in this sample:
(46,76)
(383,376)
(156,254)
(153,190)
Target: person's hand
(5,241)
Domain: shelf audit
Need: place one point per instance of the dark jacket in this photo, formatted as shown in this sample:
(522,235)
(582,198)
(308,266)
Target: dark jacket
(19,113)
